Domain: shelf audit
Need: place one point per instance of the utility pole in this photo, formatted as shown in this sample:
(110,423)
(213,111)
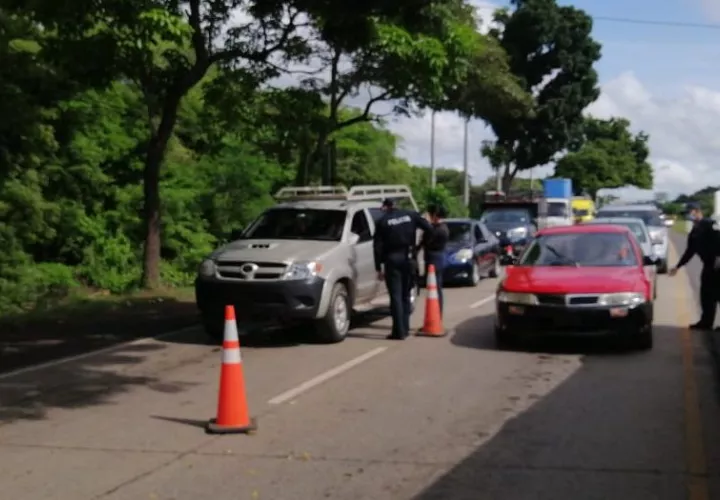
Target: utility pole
(433,178)
(466,177)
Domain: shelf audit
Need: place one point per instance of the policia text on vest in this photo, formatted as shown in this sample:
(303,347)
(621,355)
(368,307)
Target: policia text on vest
(394,245)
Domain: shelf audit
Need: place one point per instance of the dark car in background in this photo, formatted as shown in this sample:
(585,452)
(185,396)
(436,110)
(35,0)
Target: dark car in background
(513,226)
(472,252)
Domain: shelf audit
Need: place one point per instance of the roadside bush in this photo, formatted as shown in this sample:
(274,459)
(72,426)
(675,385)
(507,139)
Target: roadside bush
(40,286)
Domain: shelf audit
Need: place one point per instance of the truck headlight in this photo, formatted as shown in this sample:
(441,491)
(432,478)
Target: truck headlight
(657,250)
(207,269)
(302,270)
(527,299)
(517,233)
(621,299)
(464,255)
(657,237)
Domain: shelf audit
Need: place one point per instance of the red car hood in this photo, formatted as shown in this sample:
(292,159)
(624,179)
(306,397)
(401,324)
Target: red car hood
(563,280)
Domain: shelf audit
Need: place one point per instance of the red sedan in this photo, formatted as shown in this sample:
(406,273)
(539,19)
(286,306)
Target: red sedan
(577,280)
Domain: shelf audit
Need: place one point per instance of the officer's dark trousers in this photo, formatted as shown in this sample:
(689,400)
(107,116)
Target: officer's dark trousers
(709,294)
(398,278)
(436,259)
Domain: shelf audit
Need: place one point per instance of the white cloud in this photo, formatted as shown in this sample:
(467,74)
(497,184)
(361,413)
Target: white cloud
(684,134)
(684,139)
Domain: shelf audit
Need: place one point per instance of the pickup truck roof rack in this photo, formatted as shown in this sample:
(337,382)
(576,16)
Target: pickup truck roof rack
(356,193)
(312,193)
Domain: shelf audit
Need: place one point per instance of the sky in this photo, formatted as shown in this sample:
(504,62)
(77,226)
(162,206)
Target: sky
(664,79)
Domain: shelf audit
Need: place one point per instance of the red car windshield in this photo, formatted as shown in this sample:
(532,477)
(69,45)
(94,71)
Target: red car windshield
(581,250)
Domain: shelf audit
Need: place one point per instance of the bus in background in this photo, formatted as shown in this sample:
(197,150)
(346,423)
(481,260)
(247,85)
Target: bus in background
(583,209)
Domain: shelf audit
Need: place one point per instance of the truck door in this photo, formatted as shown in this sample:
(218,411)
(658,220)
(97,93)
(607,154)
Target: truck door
(362,260)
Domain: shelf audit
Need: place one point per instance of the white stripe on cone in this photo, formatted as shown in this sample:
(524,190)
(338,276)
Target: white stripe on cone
(232,356)
(231,331)
(431,280)
(431,285)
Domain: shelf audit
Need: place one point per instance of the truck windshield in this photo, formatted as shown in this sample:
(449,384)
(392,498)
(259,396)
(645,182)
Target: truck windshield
(298,224)
(507,215)
(557,209)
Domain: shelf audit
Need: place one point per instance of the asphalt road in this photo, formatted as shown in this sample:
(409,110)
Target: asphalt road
(424,419)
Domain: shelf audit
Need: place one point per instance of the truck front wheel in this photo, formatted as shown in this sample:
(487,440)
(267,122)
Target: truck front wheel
(334,326)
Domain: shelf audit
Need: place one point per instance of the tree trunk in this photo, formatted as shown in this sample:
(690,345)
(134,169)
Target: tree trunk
(308,164)
(151,190)
(507,178)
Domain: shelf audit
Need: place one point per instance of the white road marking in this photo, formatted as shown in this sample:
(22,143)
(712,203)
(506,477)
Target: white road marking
(324,377)
(78,357)
(482,302)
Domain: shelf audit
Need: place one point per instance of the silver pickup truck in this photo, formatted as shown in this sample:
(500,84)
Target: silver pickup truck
(307,259)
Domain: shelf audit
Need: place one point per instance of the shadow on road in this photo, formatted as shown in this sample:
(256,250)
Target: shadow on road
(92,381)
(613,429)
(477,333)
(268,337)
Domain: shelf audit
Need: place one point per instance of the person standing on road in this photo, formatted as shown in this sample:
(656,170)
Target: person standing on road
(433,245)
(704,241)
(394,244)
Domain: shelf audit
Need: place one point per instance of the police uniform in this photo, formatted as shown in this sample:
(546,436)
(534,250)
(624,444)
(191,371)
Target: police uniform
(394,243)
(434,252)
(704,241)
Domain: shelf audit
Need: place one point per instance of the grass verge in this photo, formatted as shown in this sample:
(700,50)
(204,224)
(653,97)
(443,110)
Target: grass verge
(680,226)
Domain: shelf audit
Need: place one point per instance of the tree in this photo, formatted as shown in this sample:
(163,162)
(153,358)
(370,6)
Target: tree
(413,64)
(166,48)
(552,53)
(606,154)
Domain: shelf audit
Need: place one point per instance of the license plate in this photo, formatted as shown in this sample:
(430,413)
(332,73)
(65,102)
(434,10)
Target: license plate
(618,312)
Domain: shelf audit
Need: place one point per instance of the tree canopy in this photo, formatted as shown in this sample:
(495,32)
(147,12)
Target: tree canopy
(551,53)
(606,154)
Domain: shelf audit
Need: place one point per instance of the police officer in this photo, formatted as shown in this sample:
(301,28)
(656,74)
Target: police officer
(433,245)
(704,241)
(394,243)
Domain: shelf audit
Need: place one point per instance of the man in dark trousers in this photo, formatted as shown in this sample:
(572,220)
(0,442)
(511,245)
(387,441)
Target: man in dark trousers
(394,244)
(433,245)
(704,241)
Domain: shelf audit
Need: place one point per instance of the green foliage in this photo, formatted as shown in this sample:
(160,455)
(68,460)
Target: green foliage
(552,54)
(71,214)
(605,154)
(447,192)
(705,197)
(424,60)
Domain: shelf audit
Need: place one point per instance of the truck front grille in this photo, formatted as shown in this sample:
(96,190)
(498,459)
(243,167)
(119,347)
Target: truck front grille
(264,271)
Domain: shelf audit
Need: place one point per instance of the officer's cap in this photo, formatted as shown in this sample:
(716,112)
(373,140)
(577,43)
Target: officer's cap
(692,206)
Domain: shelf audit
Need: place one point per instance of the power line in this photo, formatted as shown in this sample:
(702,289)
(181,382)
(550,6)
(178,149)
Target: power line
(648,22)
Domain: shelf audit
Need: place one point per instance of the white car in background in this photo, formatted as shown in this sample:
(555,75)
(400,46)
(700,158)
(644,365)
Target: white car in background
(650,215)
(642,235)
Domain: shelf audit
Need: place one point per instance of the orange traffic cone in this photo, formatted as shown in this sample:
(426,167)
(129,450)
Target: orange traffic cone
(433,326)
(233,416)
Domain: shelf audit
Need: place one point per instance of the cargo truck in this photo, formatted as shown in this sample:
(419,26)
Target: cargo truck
(557,194)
